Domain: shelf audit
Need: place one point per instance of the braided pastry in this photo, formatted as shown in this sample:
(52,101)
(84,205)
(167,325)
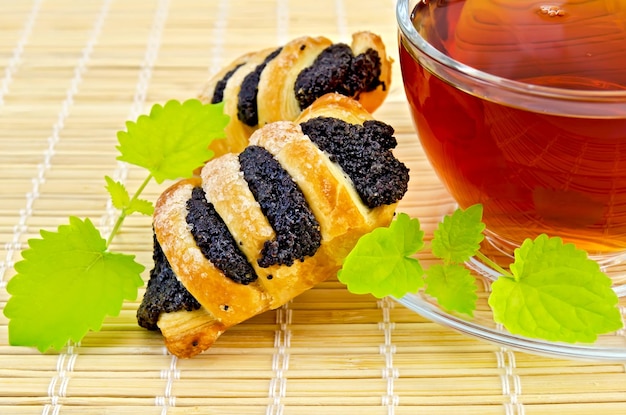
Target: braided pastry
(260,227)
(276,84)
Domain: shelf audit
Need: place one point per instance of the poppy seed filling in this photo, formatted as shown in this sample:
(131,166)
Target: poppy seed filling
(247,109)
(220,86)
(364,154)
(336,69)
(215,240)
(282,202)
(164,293)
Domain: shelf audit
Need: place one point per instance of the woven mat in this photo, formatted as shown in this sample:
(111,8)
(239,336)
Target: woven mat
(74,72)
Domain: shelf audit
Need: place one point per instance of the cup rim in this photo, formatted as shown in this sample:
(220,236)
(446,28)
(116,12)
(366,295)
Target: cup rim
(403,17)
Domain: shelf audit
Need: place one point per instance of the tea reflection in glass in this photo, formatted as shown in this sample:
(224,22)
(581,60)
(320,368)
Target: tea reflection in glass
(521,105)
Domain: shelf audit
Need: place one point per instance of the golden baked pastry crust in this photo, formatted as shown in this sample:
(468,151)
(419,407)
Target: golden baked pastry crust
(199,276)
(276,100)
(188,333)
(336,106)
(237,133)
(342,216)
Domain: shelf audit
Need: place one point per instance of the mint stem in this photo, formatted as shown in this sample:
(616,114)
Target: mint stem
(493,265)
(120,219)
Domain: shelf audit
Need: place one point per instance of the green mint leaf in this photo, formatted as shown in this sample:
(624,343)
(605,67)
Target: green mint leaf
(453,286)
(173,140)
(65,285)
(119,195)
(381,263)
(557,293)
(458,237)
(145,207)
(121,199)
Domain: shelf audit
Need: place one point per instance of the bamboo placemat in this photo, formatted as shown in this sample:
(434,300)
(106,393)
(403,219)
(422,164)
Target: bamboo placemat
(74,72)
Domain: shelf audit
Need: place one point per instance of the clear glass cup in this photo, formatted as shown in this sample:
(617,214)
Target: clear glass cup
(520,105)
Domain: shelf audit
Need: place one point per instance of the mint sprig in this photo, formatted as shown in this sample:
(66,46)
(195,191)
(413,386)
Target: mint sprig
(173,139)
(68,281)
(555,293)
(458,236)
(381,263)
(553,290)
(453,286)
(65,286)
(456,239)
(121,199)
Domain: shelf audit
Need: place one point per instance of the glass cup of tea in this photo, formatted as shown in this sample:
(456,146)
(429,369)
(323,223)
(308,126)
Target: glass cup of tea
(520,105)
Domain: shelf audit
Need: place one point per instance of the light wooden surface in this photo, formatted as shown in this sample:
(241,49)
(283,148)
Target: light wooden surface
(73,72)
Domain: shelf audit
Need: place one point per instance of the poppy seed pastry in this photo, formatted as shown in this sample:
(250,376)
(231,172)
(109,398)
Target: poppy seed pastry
(277,84)
(260,227)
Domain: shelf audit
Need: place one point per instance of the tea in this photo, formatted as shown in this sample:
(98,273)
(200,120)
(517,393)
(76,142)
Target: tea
(534,171)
